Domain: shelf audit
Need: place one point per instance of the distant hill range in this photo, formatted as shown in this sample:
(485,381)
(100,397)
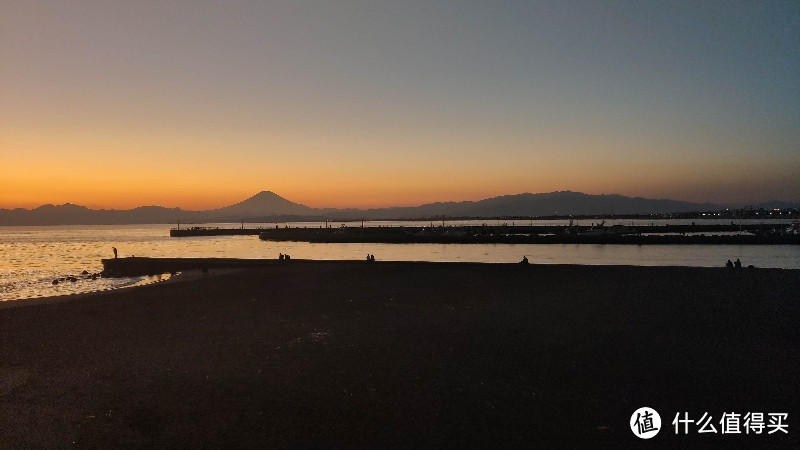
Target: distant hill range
(269,207)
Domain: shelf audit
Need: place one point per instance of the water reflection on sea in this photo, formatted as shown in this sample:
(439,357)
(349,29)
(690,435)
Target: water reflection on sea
(32,257)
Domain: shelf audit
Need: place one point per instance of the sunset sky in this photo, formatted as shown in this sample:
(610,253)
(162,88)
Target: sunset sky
(200,104)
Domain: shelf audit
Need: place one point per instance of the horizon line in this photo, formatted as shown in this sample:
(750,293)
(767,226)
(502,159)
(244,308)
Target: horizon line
(739,204)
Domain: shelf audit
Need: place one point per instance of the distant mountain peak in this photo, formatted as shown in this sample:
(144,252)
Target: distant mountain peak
(263,204)
(266,194)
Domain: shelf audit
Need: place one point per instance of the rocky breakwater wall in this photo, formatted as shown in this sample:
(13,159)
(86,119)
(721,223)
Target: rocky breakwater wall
(135,266)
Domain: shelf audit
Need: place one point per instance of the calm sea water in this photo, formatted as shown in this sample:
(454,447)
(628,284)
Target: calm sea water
(32,257)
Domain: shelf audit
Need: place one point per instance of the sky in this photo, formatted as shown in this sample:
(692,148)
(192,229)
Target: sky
(200,104)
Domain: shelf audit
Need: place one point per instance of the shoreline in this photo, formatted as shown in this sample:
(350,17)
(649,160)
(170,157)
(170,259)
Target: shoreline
(388,354)
(189,269)
(140,266)
(180,277)
(13,303)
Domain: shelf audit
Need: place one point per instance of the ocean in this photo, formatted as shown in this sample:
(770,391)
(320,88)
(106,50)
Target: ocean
(32,257)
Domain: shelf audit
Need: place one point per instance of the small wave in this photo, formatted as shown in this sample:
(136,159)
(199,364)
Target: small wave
(44,287)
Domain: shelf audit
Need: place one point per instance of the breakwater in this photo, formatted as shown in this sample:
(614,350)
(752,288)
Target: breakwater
(135,266)
(760,228)
(532,235)
(214,231)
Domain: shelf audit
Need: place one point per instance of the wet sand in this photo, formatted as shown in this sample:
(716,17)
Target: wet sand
(329,354)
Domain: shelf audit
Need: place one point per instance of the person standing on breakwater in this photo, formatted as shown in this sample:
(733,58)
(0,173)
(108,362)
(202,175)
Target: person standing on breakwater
(115,252)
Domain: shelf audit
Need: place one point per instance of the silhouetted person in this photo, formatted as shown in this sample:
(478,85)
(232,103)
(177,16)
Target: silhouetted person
(729,264)
(369,257)
(524,260)
(115,252)
(737,264)
(287,256)
(280,256)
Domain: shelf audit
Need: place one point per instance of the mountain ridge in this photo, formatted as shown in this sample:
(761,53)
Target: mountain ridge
(267,206)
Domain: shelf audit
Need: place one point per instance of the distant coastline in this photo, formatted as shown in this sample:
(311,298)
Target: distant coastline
(269,207)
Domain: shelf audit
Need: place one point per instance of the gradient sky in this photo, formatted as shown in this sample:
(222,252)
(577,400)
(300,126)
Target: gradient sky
(347,103)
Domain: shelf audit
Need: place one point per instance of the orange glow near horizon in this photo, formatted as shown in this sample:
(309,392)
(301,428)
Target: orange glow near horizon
(103,185)
(126,170)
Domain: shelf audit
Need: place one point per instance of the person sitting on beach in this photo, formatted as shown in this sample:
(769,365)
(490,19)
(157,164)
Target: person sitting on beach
(729,264)
(737,264)
(286,256)
(369,257)
(280,256)
(524,260)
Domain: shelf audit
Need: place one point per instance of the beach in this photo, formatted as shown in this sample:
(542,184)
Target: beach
(401,354)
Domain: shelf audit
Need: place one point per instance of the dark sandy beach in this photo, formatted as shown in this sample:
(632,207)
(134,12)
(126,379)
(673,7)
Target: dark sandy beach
(356,354)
